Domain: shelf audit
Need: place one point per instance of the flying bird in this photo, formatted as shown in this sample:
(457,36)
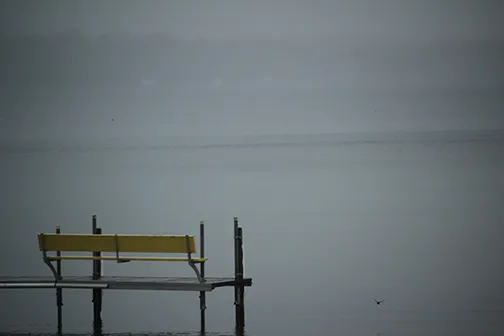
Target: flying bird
(377,302)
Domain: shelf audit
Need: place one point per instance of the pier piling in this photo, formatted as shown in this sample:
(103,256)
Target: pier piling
(239,305)
(59,291)
(202,295)
(241,273)
(97,293)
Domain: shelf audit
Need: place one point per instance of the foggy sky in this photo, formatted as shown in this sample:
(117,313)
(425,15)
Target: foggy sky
(453,19)
(441,61)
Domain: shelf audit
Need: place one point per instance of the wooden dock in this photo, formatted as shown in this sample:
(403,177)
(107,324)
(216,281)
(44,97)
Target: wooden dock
(96,243)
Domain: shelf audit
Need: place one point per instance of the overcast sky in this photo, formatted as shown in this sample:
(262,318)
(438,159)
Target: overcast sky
(260,19)
(464,80)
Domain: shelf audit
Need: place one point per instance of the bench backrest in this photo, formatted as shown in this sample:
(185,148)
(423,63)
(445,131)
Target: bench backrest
(116,243)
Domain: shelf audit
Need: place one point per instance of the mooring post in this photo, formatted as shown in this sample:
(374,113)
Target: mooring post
(202,296)
(241,275)
(97,293)
(59,291)
(238,277)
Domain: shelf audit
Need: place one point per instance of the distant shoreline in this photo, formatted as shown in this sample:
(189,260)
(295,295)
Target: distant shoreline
(233,141)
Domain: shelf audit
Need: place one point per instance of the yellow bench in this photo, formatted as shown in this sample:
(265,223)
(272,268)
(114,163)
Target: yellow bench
(118,243)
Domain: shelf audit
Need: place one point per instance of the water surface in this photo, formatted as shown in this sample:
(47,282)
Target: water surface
(330,221)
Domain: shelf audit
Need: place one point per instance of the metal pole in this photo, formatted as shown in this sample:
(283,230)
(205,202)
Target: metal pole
(242,288)
(97,293)
(238,323)
(202,296)
(59,291)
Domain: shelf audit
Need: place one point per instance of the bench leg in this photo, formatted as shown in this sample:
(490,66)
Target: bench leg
(51,267)
(191,262)
(198,275)
(47,261)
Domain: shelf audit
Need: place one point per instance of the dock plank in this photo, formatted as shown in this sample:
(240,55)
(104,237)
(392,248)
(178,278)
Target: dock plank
(120,282)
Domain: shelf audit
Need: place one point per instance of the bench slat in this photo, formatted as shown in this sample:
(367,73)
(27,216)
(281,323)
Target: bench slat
(196,260)
(107,243)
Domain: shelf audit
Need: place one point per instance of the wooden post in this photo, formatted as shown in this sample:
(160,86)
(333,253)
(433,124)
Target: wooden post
(97,293)
(59,291)
(202,296)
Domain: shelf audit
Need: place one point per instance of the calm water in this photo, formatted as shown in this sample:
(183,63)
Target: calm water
(329,222)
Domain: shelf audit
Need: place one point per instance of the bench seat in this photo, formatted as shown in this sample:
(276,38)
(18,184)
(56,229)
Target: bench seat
(118,243)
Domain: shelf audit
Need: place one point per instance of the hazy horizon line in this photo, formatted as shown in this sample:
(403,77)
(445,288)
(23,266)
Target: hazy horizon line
(259,140)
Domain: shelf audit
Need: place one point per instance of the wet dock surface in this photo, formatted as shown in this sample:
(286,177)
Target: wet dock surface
(120,282)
